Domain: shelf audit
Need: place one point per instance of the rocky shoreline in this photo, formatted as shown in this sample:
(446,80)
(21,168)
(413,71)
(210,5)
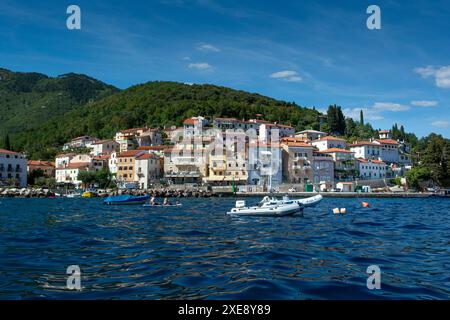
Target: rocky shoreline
(159,193)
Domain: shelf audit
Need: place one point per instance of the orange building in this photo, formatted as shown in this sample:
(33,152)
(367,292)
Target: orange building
(48,167)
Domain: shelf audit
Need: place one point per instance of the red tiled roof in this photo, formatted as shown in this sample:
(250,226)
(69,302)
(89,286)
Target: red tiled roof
(4,151)
(333,150)
(103,141)
(41,163)
(153,148)
(129,153)
(65,155)
(189,121)
(292,139)
(102,157)
(363,143)
(133,130)
(298,144)
(278,125)
(330,138)
(371,160)
(146,156)
(75,165)
(387,141)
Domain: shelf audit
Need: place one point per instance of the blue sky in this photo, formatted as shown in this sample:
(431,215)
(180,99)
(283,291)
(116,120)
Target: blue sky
(313,52)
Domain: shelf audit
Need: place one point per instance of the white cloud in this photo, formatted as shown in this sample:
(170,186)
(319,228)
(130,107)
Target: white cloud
(287,75)
(389,106)
(186,58)
(424,103)
(441,124)
(208,47)
(374,112)
(200,66)
(441,75)
(369,114)
(425,72)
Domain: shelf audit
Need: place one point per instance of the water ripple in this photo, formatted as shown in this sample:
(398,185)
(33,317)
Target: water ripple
(197,252)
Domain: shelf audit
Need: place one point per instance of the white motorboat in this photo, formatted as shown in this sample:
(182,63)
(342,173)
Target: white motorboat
(265,209)
(306,202)
(72,194)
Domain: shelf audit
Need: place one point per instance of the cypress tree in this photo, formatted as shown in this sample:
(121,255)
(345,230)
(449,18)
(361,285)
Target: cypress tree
(7,143)
(361,118)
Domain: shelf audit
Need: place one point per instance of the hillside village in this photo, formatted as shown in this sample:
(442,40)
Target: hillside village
(259,156)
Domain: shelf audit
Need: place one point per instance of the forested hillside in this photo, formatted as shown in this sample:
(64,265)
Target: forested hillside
(29,99)
(157,104)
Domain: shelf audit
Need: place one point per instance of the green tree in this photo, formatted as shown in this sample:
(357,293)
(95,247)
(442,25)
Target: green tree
(88,178)
(417,175)
(361,118)
(34,175)
(7,143)
(336,120)
(104,178)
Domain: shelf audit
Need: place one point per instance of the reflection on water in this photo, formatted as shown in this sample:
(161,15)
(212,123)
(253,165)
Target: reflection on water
(197,252)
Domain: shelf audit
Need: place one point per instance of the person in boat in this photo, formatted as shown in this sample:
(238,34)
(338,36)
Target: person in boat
(153,202)
(166,202)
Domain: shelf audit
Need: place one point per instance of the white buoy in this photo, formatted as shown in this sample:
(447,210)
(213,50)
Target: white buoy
(343,210)
(336,211)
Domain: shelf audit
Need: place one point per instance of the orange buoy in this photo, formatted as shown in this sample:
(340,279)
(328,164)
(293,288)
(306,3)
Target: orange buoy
(365,204)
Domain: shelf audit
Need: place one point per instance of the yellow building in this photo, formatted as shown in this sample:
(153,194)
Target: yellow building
(126,166)
(227,169)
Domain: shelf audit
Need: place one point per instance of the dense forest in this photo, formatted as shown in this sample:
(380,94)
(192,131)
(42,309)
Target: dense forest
(155,104)
(29,99)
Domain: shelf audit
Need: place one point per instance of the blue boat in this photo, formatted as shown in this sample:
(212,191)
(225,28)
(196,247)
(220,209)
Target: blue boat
(126,199)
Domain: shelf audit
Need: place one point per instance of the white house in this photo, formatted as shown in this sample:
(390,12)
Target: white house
(63,159)
(81,158)
(80,142)
(194,126)
(366,150)
(310,134)
(323,171)
(149,167)
(389,150)
(385,134)
(267,130)
(130,139)
(329,142)
(13,166)
(112,163)
(371,169)
(103,147)
(69,173)
(265,165)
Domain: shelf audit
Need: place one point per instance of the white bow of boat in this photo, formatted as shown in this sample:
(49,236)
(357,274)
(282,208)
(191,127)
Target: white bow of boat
(272,207)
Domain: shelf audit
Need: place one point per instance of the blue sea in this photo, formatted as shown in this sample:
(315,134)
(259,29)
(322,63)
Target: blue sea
(198,252)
